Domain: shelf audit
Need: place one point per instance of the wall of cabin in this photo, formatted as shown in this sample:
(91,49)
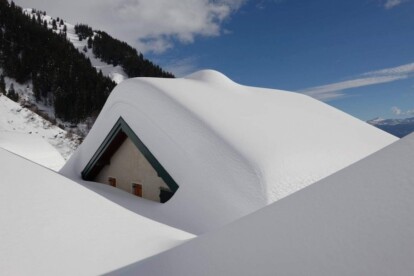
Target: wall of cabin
(128,166)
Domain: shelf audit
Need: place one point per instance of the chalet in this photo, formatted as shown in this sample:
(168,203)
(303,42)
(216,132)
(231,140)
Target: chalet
(123,161)
(222,149)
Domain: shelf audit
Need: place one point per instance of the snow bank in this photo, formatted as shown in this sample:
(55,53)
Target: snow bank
(20,120)
(53,226)
(358,221)
(232,149)
(33,148)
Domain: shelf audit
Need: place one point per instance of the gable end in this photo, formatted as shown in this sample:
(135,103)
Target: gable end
(111,144)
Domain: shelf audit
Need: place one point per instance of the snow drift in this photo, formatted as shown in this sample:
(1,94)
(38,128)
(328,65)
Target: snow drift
(358,221)
(232,149)
(33,148)
(26,133)
(53,226)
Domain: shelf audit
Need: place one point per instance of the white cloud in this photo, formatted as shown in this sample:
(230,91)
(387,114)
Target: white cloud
(150,25)
(335,90)
(181,67)
(389,4)
(394,71)
(397,111)
(261,4)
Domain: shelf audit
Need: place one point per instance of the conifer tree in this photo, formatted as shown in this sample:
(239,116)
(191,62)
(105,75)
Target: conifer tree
(90,42)
(2,84)
(12,93)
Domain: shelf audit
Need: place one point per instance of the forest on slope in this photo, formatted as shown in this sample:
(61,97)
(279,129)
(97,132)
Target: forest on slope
(62,76)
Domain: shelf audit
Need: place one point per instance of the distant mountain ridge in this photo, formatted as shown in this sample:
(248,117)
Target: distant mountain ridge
(397,127)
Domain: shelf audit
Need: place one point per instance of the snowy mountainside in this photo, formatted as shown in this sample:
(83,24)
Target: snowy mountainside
(397,127)
(115,73)
(15,118)
(45,107)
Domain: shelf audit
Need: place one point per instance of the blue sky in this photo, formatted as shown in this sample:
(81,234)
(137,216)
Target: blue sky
(357,55)
(297,45)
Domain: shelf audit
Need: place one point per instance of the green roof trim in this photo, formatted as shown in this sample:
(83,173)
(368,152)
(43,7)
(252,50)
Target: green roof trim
(112,142)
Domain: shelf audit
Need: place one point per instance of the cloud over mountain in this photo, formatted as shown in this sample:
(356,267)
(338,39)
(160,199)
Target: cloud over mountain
(149,25)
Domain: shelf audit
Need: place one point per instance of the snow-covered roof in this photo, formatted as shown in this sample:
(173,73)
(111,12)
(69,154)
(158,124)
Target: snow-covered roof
(51,225)
(32,147)
(232,149)
(358,221)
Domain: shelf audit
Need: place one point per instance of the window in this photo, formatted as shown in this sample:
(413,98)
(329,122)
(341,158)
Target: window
(137,189)
(112,181)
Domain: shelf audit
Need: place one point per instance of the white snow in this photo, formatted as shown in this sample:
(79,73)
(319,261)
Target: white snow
(26,94)
(358,221)
(32,147)
(53,226)
(18,123)
(232,149)
(22,120)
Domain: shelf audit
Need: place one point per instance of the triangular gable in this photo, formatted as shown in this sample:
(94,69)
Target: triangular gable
(111,144)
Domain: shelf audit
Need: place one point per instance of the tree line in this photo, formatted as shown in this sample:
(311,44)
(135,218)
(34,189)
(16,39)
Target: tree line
(116,52)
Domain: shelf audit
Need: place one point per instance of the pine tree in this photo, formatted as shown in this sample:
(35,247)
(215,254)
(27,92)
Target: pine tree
(12,93)
(90,42)
(2,84)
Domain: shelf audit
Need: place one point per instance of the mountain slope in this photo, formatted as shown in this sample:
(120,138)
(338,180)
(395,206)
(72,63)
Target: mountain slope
(397,127)
(48,54)
(17,119)
(60,75)
(115,73)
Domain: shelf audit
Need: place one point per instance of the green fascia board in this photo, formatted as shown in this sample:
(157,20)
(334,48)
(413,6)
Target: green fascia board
(122,126)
